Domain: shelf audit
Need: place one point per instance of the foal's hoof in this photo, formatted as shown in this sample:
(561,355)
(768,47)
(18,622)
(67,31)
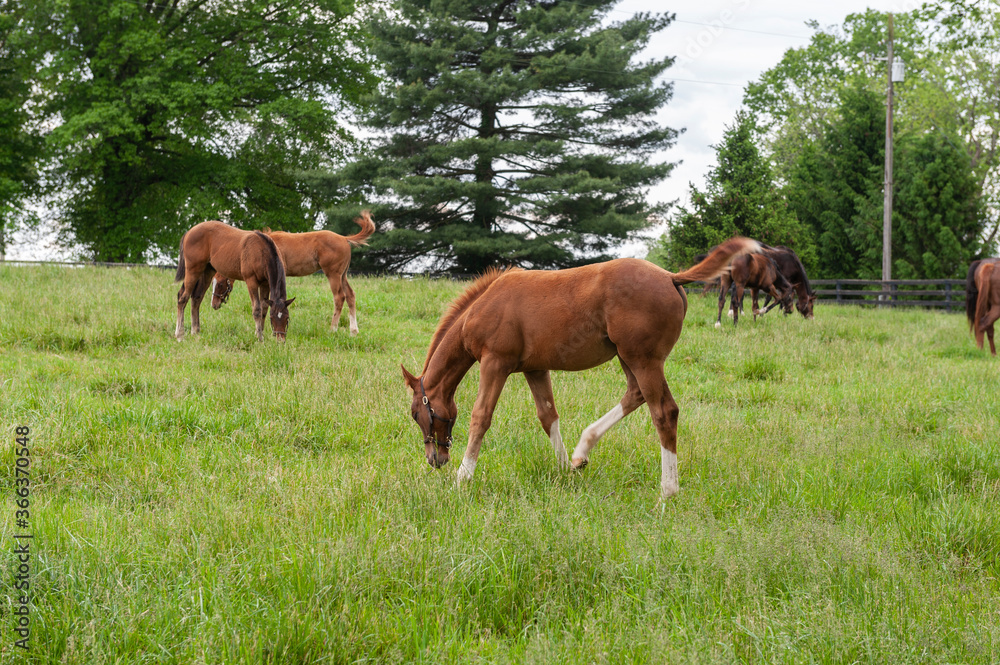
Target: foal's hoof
(718,324)
(579,464)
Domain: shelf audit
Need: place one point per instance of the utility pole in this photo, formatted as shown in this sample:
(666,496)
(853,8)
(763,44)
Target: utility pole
(887,205)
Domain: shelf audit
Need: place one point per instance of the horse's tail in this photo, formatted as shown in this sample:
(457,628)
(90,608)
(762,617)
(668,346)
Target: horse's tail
(275,268)
(717,261)
(367,228)
(985,277)
(180,262)
(971,295)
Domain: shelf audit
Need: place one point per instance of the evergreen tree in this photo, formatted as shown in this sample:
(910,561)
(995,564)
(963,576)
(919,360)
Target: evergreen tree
(173,112)
(741,198)
(937,213)
(835,184)
(515,132)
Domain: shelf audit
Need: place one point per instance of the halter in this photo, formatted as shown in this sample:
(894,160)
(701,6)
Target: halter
(430,412)
(225,296)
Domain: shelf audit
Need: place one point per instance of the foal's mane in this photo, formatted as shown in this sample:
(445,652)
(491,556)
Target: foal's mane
(275,270)
(460,304)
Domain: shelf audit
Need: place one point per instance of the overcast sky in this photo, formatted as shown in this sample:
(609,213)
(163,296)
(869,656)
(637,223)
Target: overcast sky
(720,46)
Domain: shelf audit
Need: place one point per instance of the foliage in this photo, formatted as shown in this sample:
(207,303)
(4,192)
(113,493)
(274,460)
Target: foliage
(20,145)
(937,214)
(509,132)
(835,184)
(172,112)
(227,501)
(740,199)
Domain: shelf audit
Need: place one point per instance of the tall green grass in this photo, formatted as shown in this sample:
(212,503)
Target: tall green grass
(222,500)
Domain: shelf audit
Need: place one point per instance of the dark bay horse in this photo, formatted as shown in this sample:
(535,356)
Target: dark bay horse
(791,268)
(535,321)
(982,299)
(307,253)
(758,272)
(211,247)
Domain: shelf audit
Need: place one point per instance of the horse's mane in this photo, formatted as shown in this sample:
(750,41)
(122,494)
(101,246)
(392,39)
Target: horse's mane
(275,269)
(460,304)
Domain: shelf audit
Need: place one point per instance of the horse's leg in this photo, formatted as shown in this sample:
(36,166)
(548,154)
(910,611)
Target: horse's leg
(989,335)
(724,283)
(352,310)
(190,285)
(737,302)
(492,377)
(258,313)
(336,280)
(540,383)
(986,325)
(200,289)
(630,402)
(664,412)
(754,292)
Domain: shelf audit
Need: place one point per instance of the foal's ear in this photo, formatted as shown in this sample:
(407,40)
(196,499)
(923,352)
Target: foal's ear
(269,303)
(288,303)
(412,382)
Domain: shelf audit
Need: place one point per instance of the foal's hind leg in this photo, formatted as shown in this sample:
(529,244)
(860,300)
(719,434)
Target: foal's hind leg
(352,310)
(724,282)
(541,389)
(199,294)
(336,280)
(632,400)
(986,325)
(664,411)
(737,302)
(190,285)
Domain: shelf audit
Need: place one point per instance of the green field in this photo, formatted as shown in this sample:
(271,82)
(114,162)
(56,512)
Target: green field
(222,500)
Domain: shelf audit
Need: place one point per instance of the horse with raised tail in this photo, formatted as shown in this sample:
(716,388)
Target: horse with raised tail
(536,321)
(307,253)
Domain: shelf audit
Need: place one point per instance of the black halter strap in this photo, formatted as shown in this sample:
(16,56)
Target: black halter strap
(229,289)
(430,412)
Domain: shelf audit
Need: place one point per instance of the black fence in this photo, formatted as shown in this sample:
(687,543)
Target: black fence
(947,294)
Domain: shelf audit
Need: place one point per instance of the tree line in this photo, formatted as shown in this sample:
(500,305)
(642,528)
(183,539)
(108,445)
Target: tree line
(802,164)
(479,133)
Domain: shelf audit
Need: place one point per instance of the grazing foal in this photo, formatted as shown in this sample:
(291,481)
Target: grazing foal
(758,272)
(982,299)
(307,253)
(212,247)
(536,321)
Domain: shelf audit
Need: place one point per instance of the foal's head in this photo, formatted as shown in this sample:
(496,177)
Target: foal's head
(279,316)
(435,420)
(805,305)
(220,294)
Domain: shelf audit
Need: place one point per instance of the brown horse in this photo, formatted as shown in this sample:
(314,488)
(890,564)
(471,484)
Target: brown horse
(758,272)
(536,321)
(791,268)
(982,299)
(212,247)
(306,253)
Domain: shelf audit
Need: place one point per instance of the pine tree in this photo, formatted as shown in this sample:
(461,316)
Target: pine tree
(741,198)
(513,132)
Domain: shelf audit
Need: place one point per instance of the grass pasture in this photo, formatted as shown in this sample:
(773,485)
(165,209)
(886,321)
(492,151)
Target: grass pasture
(222,500)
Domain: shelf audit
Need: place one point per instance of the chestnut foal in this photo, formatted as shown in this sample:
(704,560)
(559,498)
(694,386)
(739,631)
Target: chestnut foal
(982,299)
(537,321)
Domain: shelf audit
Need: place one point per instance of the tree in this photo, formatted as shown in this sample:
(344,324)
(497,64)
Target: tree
(741,198)
(937,212)
(20,147)
(173,111)
(510,132)
(834,185)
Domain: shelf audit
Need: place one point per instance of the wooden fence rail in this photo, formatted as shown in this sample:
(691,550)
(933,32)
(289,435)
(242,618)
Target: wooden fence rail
(948,294)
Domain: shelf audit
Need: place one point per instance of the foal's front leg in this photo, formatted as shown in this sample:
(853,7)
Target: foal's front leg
(492,378)
(258,312)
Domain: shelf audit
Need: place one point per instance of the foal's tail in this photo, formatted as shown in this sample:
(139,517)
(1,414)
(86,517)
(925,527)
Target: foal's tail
(718,260)
(983,300)
(367,228)
(180,262)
